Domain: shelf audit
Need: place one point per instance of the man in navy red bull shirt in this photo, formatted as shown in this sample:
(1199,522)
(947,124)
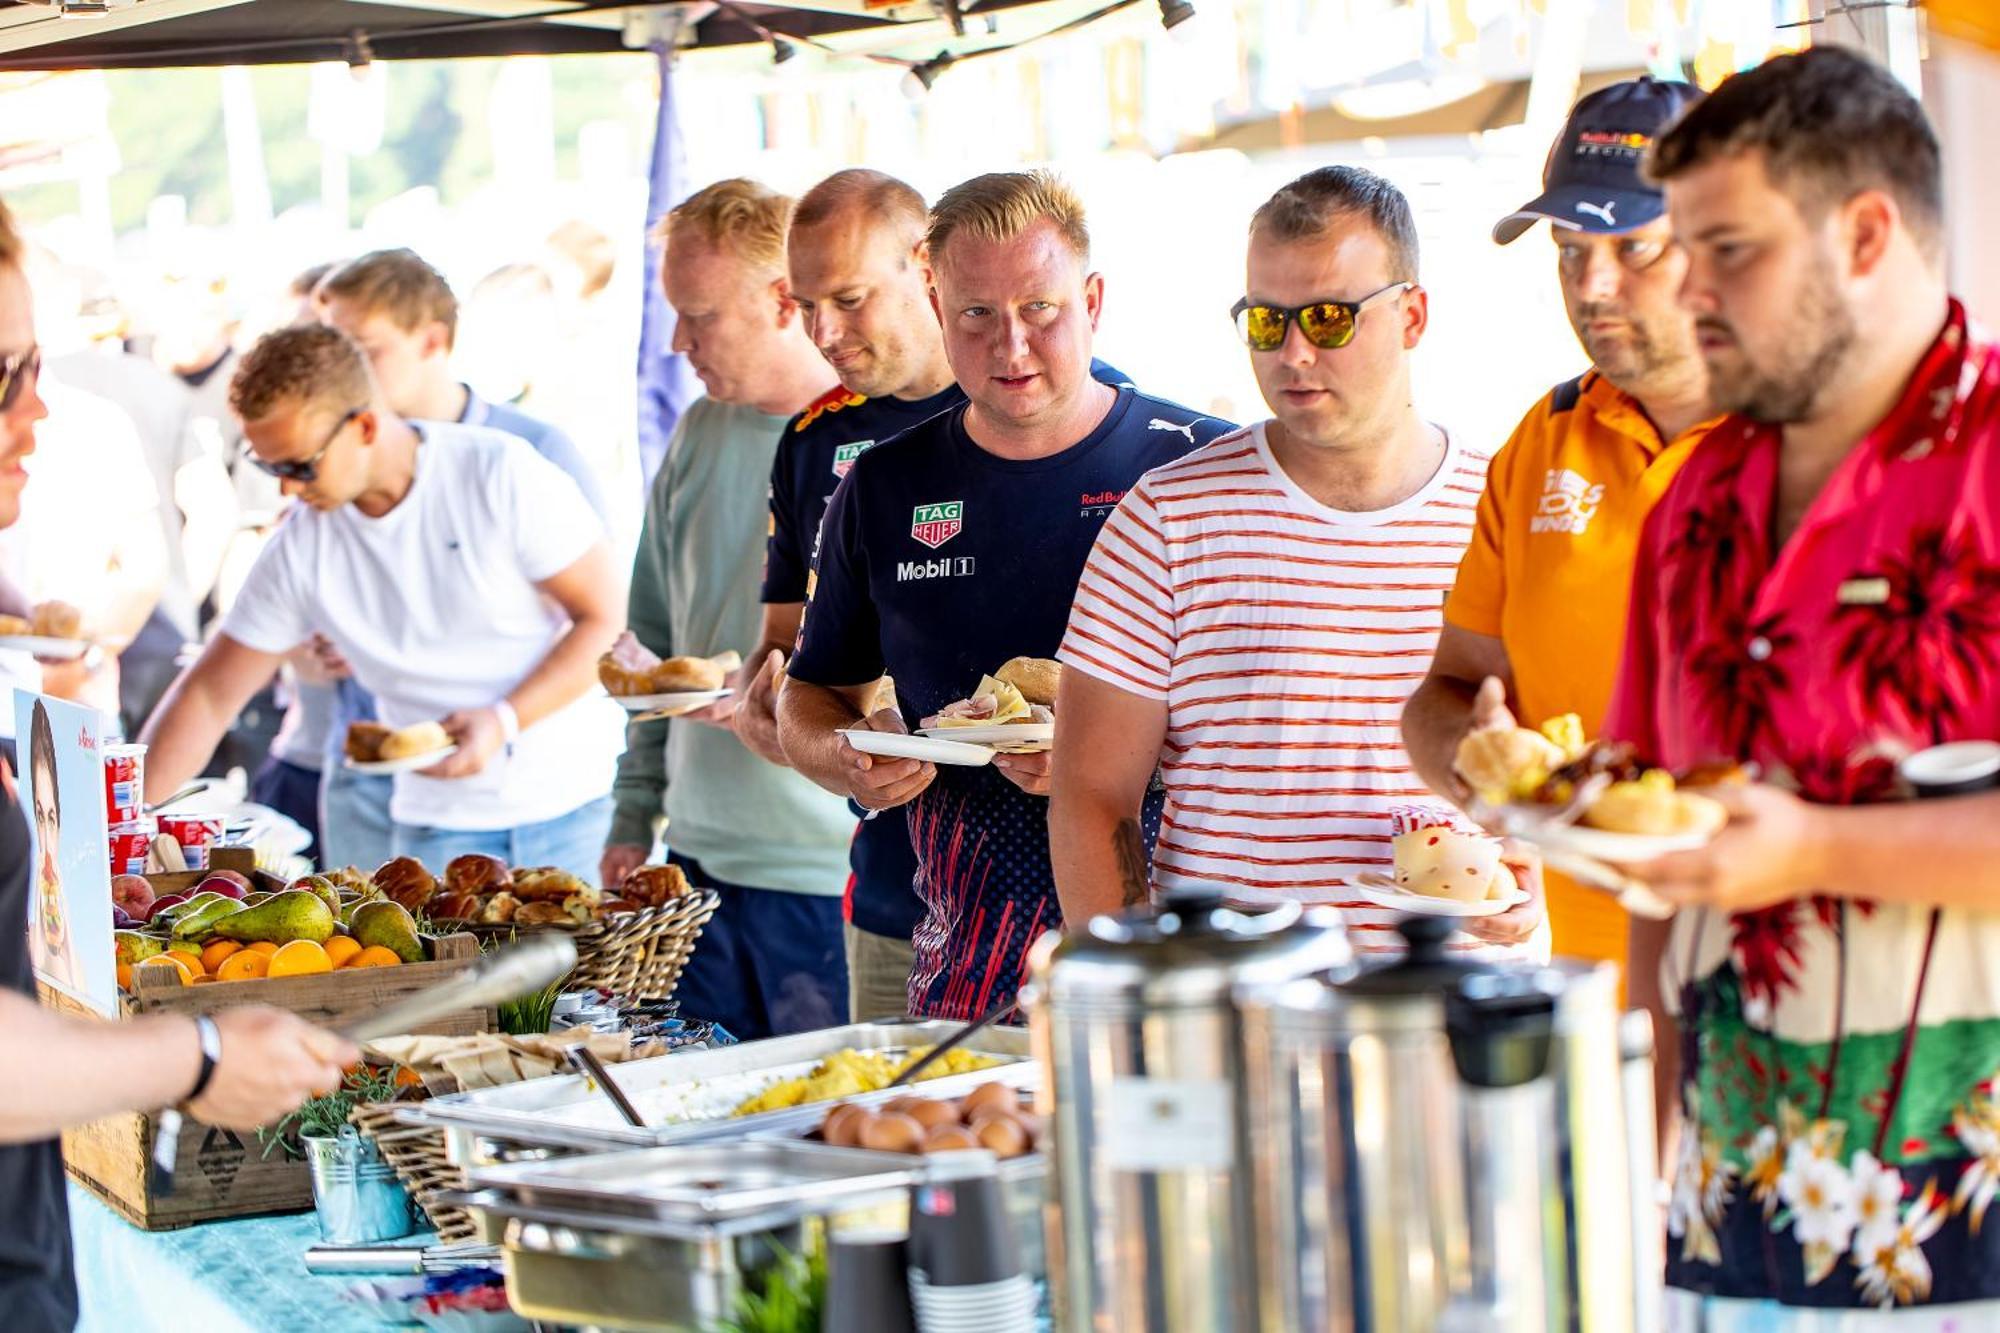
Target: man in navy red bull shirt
(958,546)
(860,278)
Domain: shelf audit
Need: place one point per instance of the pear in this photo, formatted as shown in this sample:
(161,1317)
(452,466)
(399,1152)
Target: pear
(320,887)
(389,925)
(196,925)
(253,899)
(136,948)
(295,914)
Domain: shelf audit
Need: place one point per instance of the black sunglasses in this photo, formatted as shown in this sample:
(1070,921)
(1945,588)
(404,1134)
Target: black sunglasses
(17,372)
(307,469)
(1327,324)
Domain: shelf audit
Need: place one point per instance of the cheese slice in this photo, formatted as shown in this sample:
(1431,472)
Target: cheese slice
(1010,706)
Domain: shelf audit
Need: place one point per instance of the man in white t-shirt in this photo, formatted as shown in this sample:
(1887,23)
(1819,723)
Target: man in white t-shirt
(1254,615)
(465,582)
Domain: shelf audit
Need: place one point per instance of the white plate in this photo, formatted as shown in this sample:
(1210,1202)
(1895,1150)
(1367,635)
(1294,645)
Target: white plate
(1384,894)
(895,745)
(1006,735)
(684,700)
(1602,845)
(52,650)
(411,764)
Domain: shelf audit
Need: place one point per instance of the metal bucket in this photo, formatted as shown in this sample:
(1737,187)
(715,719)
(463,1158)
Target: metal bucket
(356,1194)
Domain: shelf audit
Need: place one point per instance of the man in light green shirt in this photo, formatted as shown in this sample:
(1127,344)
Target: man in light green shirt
(772,843)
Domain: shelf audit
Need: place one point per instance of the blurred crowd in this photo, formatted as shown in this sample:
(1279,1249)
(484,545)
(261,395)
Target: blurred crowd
(147,511)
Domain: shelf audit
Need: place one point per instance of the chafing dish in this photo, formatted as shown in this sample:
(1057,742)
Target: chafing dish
(665,1238)
(693,1092)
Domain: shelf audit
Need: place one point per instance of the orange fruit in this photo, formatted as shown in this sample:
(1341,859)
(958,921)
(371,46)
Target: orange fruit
(376,956)
(247,965)
(124,976)
(265,947)
(340,950)
(191,957)
(298,959)
(212,956)
(181,968)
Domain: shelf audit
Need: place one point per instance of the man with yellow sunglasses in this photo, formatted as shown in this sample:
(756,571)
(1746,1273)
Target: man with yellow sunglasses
(1538,609)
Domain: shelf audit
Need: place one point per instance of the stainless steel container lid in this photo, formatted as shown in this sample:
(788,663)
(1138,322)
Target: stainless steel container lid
(1190,952)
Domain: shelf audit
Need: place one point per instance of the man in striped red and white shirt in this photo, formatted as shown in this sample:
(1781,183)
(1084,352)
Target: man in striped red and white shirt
(1254,615)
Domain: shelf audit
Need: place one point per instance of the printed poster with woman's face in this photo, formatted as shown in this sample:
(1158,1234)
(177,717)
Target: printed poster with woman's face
(60,750)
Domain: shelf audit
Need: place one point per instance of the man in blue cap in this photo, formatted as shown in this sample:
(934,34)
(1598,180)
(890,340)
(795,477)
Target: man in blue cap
(1536,620)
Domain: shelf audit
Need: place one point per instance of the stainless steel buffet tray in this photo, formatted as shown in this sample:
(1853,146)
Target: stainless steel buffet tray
(687,1097)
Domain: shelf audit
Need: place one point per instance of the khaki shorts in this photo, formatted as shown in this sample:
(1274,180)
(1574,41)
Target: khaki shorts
(878,975)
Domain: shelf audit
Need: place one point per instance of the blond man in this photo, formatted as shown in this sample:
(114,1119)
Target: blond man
(957,546)
(773,845)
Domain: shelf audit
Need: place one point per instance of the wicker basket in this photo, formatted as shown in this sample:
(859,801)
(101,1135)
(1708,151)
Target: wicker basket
(637,954)
(417,1155)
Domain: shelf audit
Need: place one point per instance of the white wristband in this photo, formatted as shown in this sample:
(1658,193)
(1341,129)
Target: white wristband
(510,721)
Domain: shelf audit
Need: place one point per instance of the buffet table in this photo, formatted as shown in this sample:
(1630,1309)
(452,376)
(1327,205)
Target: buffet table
(220,1277)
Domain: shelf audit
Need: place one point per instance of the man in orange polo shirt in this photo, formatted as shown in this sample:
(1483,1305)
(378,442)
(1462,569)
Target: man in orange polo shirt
(1539,605)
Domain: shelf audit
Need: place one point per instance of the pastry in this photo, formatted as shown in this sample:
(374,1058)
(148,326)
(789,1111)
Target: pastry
(423,738)
(1504,764)
(499,909)
(14,627)
(542,914)
(456,907)
(1654,805)
(477,873)
(614,906)
(57,620)
(547,883)
(655,886)
(364,741)
(348,877)
(1037,678)
(405,881)
(631,668)
(1441,862)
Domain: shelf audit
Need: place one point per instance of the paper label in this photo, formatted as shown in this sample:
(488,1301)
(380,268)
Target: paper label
(1160,1124)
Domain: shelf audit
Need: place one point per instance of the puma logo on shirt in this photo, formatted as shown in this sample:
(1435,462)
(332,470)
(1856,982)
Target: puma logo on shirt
(1174,426)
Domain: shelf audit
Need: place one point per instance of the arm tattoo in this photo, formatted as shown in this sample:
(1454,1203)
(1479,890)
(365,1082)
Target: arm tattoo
(1131,861)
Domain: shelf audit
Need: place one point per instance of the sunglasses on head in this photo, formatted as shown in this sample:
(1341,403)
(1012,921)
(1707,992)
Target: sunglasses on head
(1326,324)
(307,469)
(17,371)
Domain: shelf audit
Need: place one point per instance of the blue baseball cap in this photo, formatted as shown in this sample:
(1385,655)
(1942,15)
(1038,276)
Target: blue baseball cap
(1593,181)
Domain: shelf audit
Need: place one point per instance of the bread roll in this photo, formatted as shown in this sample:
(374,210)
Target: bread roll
(546,883)
(58,620)
(14,627)
(364,741)
(1654,809)
(541,914)
(404,880)
(655,886)
(500,908)
(1037,678)
(456,907)
(476,873)
(423,738)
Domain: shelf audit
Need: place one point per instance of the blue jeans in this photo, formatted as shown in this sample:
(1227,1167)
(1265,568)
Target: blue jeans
(572,842)
(354,824)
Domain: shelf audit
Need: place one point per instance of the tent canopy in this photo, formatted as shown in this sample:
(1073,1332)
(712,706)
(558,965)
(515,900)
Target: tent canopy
(133,34)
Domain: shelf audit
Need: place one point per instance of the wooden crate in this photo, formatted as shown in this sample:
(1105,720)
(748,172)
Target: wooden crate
(221,1174)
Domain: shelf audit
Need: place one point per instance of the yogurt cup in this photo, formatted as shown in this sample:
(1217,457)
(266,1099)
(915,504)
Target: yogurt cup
(197,835)
(124,783)
(131,843)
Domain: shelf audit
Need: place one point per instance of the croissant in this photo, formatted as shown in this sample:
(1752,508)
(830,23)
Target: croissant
(542,914)
(476,872)
(546,882)
(405,881)
(655,886)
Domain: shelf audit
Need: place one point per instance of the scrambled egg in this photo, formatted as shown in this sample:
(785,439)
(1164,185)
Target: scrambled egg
(845,1073)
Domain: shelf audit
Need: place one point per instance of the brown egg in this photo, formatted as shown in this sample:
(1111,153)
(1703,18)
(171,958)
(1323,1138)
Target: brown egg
(931,1114)
(900,1105)
(1001,1133)
(894,1132)
(989,1096)
(949,1138)
(843,1123)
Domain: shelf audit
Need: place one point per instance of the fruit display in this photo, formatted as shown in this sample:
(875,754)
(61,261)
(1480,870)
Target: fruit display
(991,1116)
(225,930)
(845,1073)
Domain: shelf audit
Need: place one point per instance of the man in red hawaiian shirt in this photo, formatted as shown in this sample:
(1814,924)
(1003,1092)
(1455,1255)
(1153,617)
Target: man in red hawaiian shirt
(1820,594)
